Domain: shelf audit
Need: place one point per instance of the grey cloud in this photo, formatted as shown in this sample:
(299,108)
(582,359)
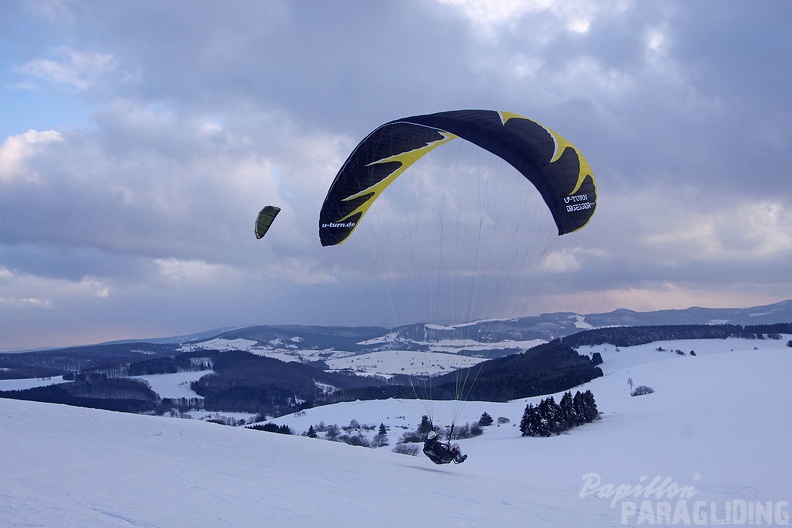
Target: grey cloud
(212,110)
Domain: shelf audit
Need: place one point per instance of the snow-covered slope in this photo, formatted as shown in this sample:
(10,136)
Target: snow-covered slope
(714,438)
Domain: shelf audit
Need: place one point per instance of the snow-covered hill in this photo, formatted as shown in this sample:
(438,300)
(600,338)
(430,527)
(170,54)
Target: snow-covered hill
(442,348)
(710,445)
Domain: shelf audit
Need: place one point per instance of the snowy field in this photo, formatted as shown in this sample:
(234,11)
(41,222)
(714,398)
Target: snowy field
(407,362)
(711,446)
(176,385)
(441,357)
(29,383)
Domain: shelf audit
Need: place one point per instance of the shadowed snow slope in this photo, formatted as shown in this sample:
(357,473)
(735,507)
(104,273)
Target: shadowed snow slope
(716,430)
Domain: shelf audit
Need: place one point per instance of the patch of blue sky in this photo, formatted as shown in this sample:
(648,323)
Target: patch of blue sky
(39,108)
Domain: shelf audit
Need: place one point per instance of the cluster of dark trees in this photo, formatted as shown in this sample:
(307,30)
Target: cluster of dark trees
(550,418)
(641,390)
(245,382)
(123,394)
(547,368)
(67,361)
(272,428)
(350,434)
(184,362)
(640,335)
(179,406)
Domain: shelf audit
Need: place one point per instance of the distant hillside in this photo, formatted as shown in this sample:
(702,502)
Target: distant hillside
(485,339)
(496,338)
(244,382)
(64,361)
(758,315)
(238,381)
(547,368)
(639,335)
(277,369)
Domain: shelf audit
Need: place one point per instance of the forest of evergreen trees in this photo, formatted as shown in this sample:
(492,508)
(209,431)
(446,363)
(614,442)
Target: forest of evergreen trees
(543,369)
(624,336)
(550,418)
(272,428)
(126,395)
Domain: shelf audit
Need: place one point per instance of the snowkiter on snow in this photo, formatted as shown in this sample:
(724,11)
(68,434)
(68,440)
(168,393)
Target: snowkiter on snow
(441,453)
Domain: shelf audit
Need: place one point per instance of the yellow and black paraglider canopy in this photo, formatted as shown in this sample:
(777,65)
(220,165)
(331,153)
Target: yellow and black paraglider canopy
(551,163)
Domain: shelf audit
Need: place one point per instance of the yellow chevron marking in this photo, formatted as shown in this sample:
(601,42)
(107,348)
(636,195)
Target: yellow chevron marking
(561,145)
(406,159)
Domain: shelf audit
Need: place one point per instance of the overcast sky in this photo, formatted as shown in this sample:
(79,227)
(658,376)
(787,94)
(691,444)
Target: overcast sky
(138,139)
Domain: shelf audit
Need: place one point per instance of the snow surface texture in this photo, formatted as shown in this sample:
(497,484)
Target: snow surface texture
(716,431)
